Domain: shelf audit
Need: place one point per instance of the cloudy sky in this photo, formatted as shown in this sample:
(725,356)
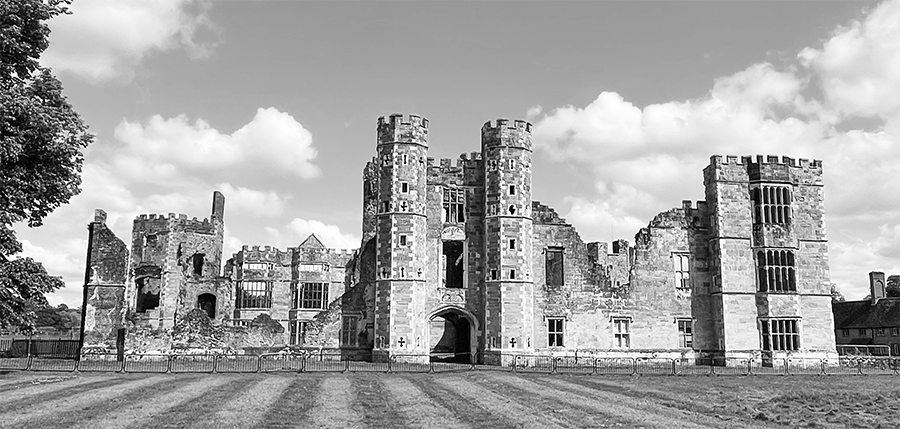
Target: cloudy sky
(275,103)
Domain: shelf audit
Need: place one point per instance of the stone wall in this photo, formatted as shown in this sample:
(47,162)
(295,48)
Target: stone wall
(104,294)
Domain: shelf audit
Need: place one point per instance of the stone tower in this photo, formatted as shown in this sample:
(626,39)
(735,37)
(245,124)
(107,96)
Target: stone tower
(508,233)
(769,255)
(400,232)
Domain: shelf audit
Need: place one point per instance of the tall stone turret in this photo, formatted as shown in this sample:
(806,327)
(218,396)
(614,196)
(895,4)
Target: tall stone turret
(400,231)
(509,284)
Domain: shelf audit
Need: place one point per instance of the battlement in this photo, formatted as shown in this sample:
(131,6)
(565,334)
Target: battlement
(398,120)
(180,218)
(503,123)
(767,159)
(412,129)
(689,205)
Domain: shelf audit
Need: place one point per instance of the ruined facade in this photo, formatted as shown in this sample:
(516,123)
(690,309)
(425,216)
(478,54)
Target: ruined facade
(460,259)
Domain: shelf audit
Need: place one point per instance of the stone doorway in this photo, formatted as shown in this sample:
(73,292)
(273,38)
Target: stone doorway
(450,337)
(207,303)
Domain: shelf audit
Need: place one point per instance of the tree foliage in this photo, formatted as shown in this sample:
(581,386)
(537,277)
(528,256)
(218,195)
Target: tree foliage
(836,295)
(41,143)
(892,288)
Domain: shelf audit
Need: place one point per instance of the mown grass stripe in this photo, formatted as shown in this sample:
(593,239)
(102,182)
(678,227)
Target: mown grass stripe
(373,403)
(294,403)
(245,406)
(144,408)
(333,407)
(466,410)
(42,414)
(500,404)
(25,396)
(200,409)
(418,408)
(632,411)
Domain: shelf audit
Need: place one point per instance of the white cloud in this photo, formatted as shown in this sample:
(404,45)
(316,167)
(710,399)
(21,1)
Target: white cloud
(859,66)
(646,160)
(299,229)
(257,203)
(107,40)
(164,149)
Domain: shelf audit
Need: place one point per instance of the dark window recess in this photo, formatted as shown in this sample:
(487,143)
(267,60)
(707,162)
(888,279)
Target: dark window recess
(452,259)
(454,205)
(775,271)
(554,266)
(207,303)
(771,205)
(780,334)
(197,261)
(512,189)
(494,274)
(512,274)
(148,294)
(403,240)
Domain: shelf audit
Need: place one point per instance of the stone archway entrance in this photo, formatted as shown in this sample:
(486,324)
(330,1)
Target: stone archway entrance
(451,336)
(207,303)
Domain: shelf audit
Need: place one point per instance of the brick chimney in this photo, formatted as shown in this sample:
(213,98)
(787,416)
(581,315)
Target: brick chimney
(876,286)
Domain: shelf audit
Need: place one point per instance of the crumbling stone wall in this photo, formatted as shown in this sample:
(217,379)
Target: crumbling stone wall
(104,289)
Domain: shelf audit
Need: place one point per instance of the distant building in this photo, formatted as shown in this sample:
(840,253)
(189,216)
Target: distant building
(863,326)
(458,258)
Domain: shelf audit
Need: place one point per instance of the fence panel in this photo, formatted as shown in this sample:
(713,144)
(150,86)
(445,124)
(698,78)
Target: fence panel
(843,365)
(326,362)
(364,366)
(193,363)
(804,366)
(574,365)
(534,363)
(106,362)
(280,362)
(879,365)
(495,362)
(13,363)
(654,366)
(689,366)
(614,366)
(410,363)
(455,363)
(768,366)
(730,366)
(50,364)
(157,363)
(237,363)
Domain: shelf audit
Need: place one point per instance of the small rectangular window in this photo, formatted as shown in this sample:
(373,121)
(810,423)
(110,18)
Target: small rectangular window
(402,240)
(895,349)
(454,205)
(881,332)
(555,331)
(845,332)
(349,328)
(404,187)
(682,267)
(512,244)
(862,332)
(553,265)
(895,332)
(405,159)
(385,206)
(512,274)
(298,332)
(685,333)
(494,274)
(621,332)
(512,189)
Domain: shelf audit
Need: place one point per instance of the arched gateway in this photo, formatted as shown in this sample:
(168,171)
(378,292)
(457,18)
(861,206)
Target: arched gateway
(452,335)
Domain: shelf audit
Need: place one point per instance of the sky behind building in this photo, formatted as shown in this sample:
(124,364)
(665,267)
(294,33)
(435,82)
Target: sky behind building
(274,103)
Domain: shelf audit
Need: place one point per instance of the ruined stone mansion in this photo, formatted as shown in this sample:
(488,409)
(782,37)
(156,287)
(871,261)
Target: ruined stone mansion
(458,258)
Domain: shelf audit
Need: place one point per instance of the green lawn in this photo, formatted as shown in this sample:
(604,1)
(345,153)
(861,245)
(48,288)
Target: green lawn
(453,400)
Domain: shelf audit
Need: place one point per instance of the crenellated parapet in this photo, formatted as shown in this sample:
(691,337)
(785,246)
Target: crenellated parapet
(398,128)
(762,168)
(506,133)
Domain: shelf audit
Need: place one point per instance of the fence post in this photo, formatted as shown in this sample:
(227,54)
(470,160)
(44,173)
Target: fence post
(390,361)
(787,366)
(594,366)
(859,370)
(554,362)
(515,362)
(347,365)
(430,365)
(169,363)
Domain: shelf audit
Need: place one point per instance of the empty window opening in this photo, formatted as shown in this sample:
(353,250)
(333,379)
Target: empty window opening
(452,262)
(512,189)
(207,303)
(776,272)
(385,206)
(512,210)
(150,240)
(512,274)
(493,274)
(298,332)
(685,333)
(402,240)
(454,205)
(554,266)
(621,332)
(779,334)
(198,263)
(254,294)
(555,331)
(147,294)
(512,244)
(311,296)
(404,187)
(405,159)
(681,262)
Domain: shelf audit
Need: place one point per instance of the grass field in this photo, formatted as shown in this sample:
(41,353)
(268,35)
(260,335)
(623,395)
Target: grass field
(454,400)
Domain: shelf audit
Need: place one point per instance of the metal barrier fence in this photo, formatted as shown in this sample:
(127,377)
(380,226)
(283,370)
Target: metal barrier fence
(421,363)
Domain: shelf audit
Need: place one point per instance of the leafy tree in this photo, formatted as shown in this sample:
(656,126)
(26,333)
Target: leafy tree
(836,295)
(892,288)
(41,140)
